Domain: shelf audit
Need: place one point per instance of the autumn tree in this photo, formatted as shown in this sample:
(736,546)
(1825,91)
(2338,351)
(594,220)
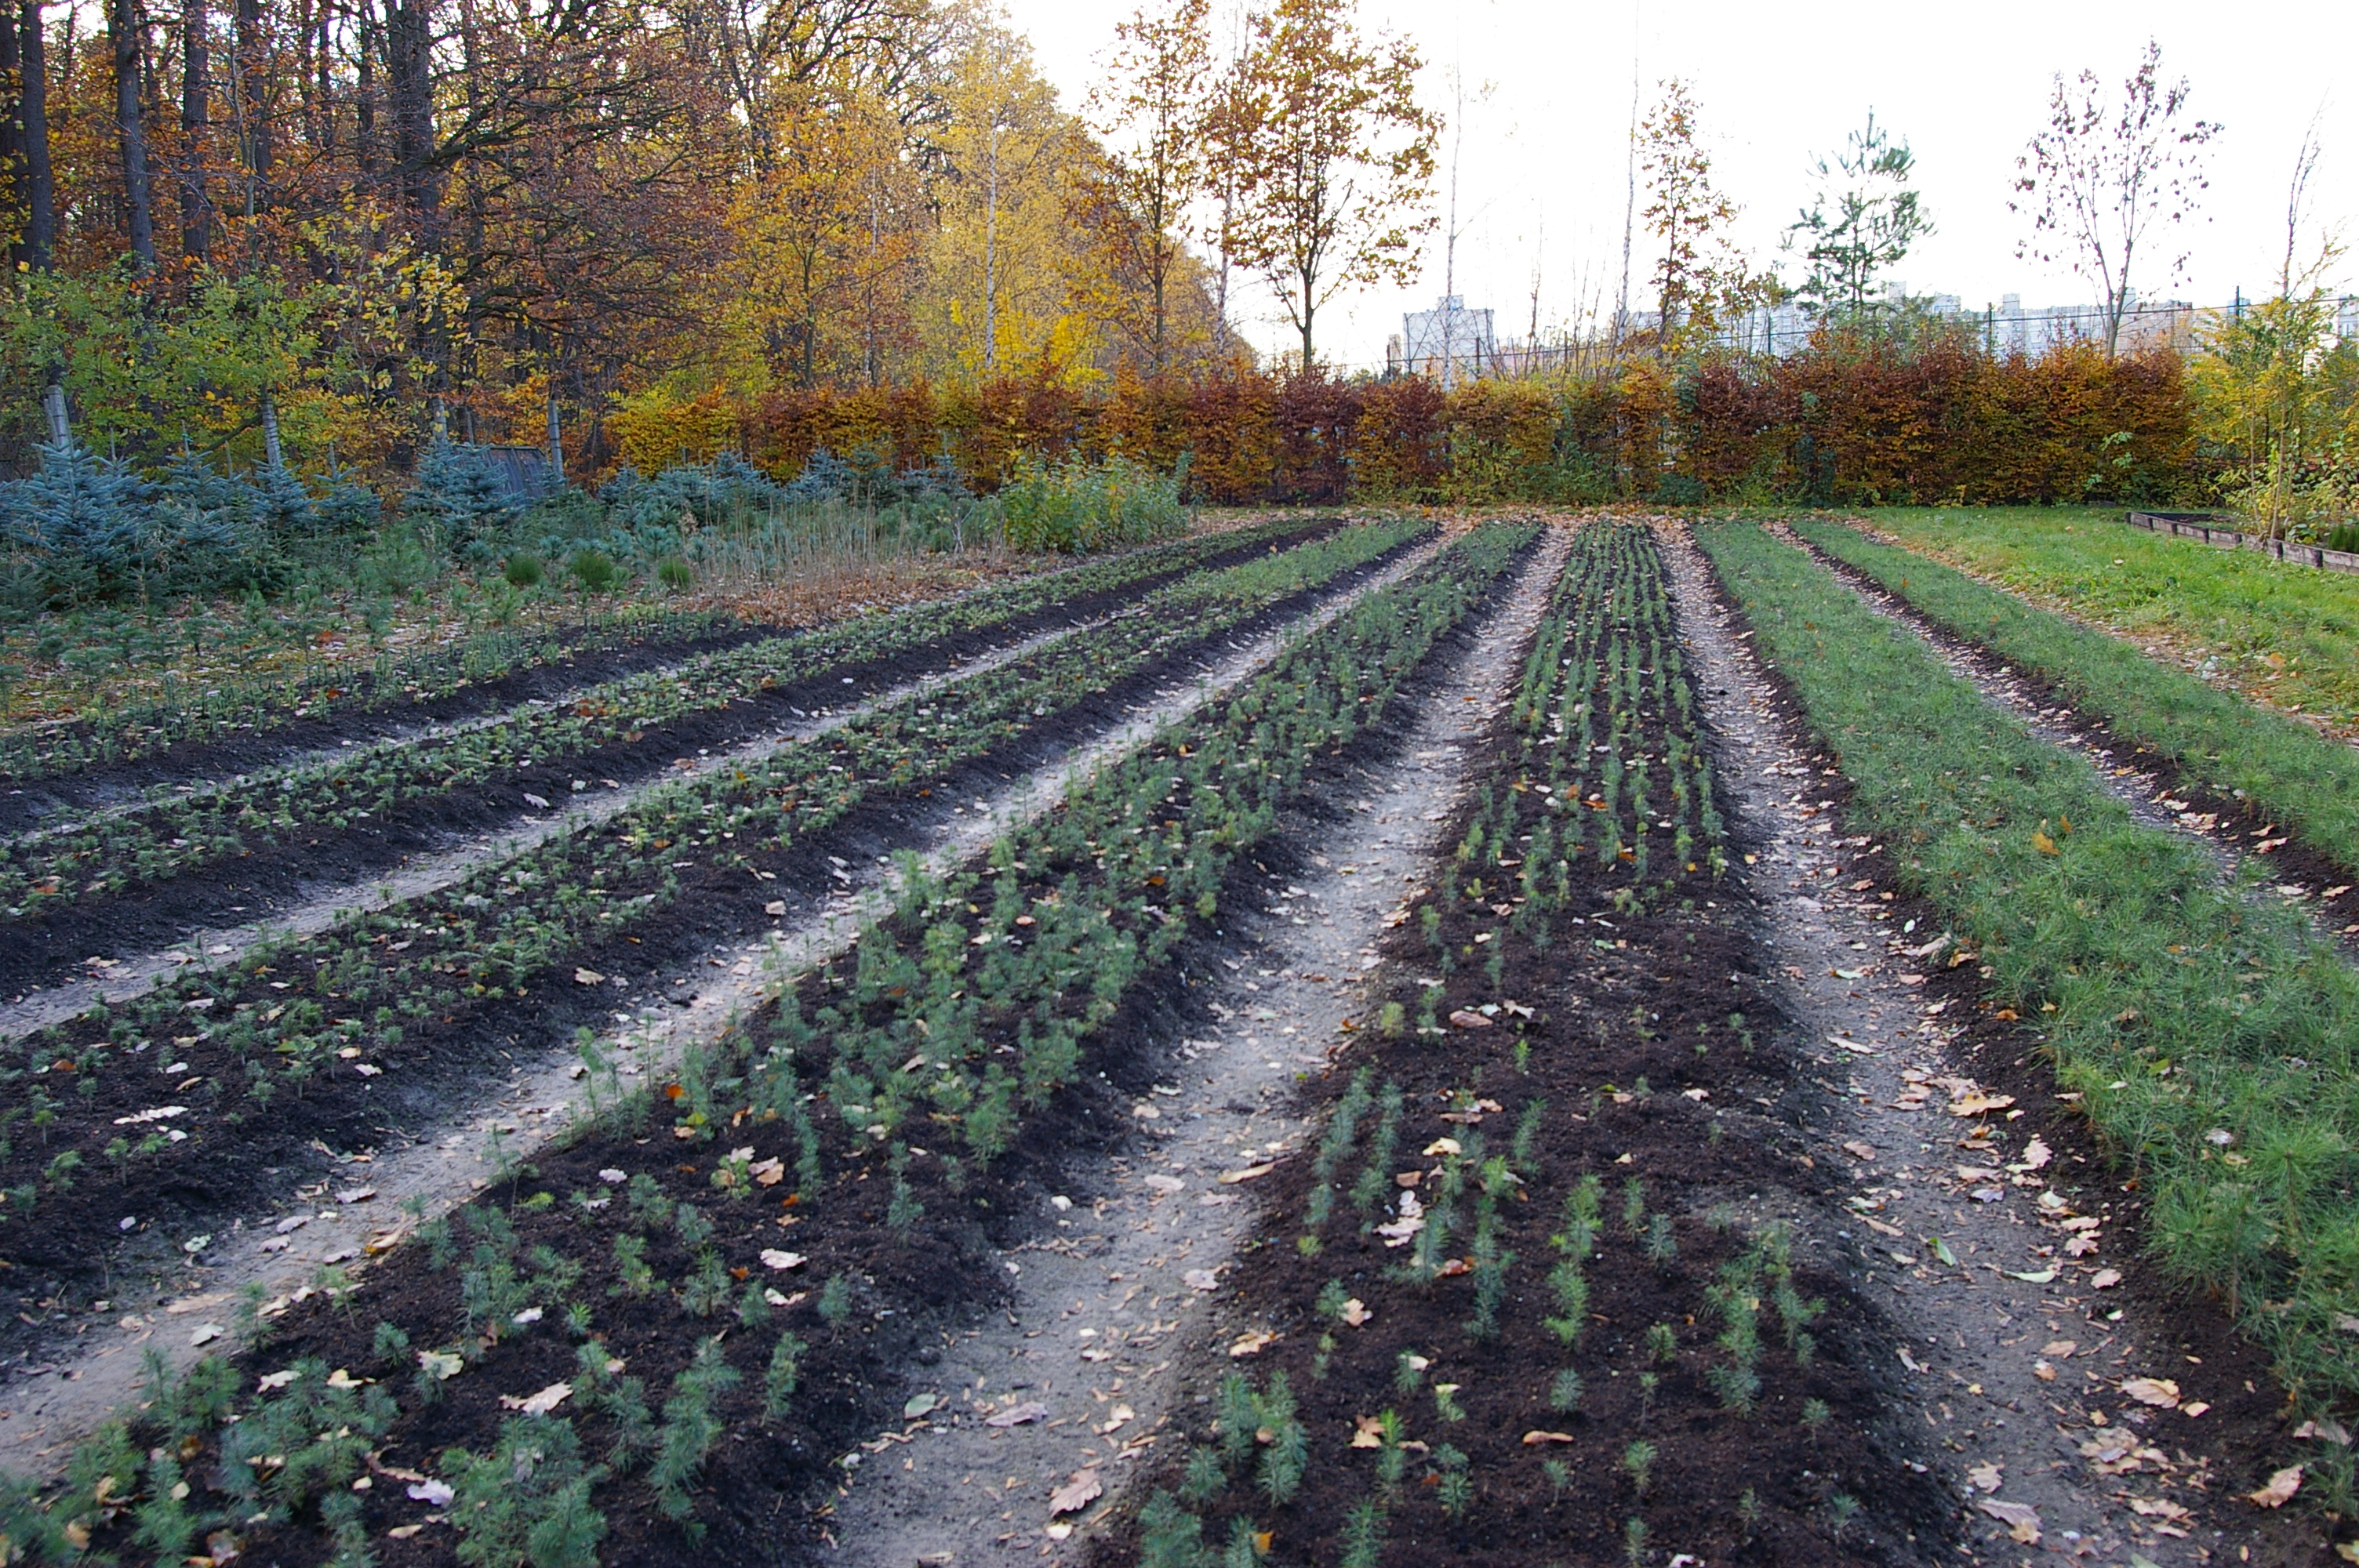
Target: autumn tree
(1133,203)
(1697,274)
(825,230)
(2102,175)
(1334,158)
(1864,220)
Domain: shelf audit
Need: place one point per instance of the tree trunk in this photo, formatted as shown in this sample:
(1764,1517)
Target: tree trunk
(12,130)
(254,78)
(409,68)
(273,455)
(365,97)
(556,440)
(130,119)
(196,116)
(40,236)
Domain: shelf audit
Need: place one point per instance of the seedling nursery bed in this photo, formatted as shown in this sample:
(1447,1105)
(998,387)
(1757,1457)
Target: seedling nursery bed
(1555,1277)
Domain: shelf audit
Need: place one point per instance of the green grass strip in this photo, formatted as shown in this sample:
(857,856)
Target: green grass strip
(2231,610)
(2183,1009)
(2304,780)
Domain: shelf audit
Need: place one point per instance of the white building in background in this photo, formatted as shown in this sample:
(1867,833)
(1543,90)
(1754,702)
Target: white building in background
(1447,343)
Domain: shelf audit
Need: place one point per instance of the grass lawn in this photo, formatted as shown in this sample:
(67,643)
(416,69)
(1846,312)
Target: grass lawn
(2284,634)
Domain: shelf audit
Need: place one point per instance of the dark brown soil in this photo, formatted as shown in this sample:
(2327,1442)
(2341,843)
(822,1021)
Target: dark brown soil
(762,1496)
(1654,1040)
(63,1252)
(143,917)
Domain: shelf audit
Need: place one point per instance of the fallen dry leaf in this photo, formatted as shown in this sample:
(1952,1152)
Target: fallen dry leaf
(1355,1312)
(1859,1151)
(1985,1478)
(1201,1279)
(774,1258)
(1462,1019)
(2060,1348)
(2022,1521)
(1368,1432)
(1534,1439)
(542,1403)
(434,1494)
(2281,1489)
(2104,1279)
(1018,1415)
(588,978)
(1250,1343)
(2159,1392)
(1076,1493)
(1248,1173)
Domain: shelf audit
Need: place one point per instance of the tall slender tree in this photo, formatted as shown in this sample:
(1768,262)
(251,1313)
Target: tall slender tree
(1695,272)
(2101,177)
(196,120)
(1335,157)
(1151,110)
(125,27)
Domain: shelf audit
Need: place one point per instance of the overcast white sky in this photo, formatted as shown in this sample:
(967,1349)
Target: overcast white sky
(1966,86)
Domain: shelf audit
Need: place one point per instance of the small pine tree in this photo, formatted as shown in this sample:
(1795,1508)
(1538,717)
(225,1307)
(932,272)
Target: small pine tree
(454,497)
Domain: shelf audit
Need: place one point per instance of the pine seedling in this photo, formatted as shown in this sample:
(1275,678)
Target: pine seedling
(1647,1383)
(1456,1490)
(1392,1458)
(1287,1454)
(1842,1508)
(1559,1478)
(1571,1290)
(1239,1417)
(836,1301)
(1634,1543)
(1202,1479)
(783,1375)
(1169,1536)
(1564,1391)
(1638,1462)
(1527,1129)
(1445,1402)
(1581,1207)
(691,1428)
(1815,1416)
(1749,1510)
(1332,1300)
(1662,1247)
(1363,1536)
(1662,1343)
(1634,1205)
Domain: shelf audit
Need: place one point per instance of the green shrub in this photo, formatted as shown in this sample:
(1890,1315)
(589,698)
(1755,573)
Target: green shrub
(1074,507)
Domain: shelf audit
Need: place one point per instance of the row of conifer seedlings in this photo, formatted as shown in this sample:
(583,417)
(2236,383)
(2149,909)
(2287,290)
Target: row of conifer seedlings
(821,1171)
(111,854)
(1451,1248)
(131,731)
(260,1039)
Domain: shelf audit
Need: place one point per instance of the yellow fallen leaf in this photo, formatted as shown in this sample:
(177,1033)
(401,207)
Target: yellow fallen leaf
(1250,1343)
(1232,1177)
(1355,1312)
(1534,1439)
(2042,842)
(1368,1432)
